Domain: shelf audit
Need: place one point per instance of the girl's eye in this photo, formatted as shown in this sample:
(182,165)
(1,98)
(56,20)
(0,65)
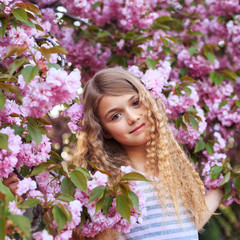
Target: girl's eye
(116,116)
(136,102)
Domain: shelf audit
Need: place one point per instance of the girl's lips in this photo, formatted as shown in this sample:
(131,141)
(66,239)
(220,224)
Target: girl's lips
(138,128)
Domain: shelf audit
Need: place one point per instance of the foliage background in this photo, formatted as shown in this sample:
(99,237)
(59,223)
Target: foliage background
(186,52)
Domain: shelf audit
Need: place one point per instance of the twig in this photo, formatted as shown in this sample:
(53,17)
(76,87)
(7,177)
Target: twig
(18,174)
(177,11)
(37,218)
(54,43)
(75,18)
(53,174)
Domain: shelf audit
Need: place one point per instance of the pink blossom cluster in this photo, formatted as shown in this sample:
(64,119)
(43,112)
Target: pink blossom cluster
(41,96)
(14,209)
(127,13)
(75,112)
(213,96)
(223,7)
(25,185)
(99,222)
(31,155)
(155,80)
(48,191)
(9,159)
(198,66)
(191,135)
(11,113)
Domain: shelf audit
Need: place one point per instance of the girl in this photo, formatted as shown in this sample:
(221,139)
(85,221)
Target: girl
(124,125)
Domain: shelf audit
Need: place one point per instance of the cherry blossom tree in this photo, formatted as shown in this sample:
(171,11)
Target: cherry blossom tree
(185,52)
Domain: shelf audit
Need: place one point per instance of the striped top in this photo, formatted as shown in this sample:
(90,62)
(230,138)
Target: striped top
(159,225)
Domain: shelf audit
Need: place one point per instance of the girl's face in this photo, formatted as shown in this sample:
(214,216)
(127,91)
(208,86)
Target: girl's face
(124,118)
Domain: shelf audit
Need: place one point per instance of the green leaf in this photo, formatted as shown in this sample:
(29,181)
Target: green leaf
(188,91)
(53,65)
(210,56)
(149,48)
(96,4)
(167,50)
(215,172)
(29,72)
(20,14)
(177,123)
(29,203)
(65,197)
(133,176)
(18,130)
(100,203)
(16,64)
(107,204)
(84,171)
(236,182)
(193,123)
(79,180)
(209,149)
(4,141)
(195,33)
(3,28)
(183,125)
(59,217)
(103,34)
(230,74)
(2,100)
(228,187)
(30,7)
(66,211)
(192,109)
(237,102)
(225,179)
(223,103)
(218,80)
(39,168)
(3,226)
(123,207)
(151,63)
(11,88)
(34,133)
(183,71)
(67,186)
(23,223)
(199,146)
(96,193)
(192,50)
(134,199)
(64,165)
(212,76)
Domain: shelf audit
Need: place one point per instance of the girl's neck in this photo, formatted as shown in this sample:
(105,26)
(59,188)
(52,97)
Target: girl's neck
(137,156)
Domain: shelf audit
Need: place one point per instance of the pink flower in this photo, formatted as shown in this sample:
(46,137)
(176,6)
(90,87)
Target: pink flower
(14,209)
(31,155)
(154,80)
(75,208)
(75,112)
(9,158)
(64,235)
(25,185)
(43,235)
(59,87)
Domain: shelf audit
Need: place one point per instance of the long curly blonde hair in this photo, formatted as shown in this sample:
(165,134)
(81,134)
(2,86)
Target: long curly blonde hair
(165,159)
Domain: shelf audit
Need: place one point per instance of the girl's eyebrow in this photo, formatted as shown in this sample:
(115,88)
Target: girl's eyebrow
(114,109)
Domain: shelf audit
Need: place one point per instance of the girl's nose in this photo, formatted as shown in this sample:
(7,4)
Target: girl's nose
(132,117)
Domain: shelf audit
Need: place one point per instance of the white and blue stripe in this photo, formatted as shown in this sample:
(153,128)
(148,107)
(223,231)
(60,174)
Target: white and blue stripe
(159,225)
